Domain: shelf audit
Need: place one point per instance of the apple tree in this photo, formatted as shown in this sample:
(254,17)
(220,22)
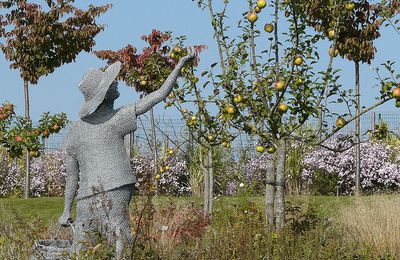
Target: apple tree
(21,139)
(208,129)
(279,85)
(352,26)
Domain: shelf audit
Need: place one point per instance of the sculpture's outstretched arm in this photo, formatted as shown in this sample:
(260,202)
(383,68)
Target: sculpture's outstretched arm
(71,187)
(150,100)
(124,120)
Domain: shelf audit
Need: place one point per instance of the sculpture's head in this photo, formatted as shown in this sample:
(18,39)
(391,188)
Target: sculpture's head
(97,86)
(112,93)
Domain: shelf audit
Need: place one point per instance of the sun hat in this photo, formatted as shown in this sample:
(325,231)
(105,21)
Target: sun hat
(94,86)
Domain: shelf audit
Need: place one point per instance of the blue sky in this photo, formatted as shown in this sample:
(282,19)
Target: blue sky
(127,21)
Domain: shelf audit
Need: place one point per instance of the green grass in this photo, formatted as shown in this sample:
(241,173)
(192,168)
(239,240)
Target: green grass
(49,209)
(46,209)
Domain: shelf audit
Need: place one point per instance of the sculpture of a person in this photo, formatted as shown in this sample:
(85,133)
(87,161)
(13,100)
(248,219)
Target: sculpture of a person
(98,167)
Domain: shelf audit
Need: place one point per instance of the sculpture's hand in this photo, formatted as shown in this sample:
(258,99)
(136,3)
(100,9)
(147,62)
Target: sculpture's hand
(148,101)
(191,54)
(65,219)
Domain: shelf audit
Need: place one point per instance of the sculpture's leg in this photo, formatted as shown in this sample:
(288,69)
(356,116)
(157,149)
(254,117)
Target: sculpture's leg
(119,218)
(84,226)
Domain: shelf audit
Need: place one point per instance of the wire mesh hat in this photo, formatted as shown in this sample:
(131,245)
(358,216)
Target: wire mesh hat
(94,86)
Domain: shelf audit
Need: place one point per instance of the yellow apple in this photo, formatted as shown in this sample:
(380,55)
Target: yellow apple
(299,81)
(396,93)
(143,83)
(331,34)
(229,109)
(349,6)
(260,148)
(252,17)
(261,3)
(298,61)
(340,122)
(283,108)
(269,27)
(238,99)
(177,49)
(279,86)
(271,149)
(333,53)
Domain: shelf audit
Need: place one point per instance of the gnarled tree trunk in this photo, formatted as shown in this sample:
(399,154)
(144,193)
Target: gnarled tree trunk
(27,158)
(270,194)
(280,185)
(208,180)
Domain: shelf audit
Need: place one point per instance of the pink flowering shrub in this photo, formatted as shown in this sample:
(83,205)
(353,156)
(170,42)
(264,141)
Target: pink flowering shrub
(174,181)
(379,165)
(11,175)
(250,173)
(47,175)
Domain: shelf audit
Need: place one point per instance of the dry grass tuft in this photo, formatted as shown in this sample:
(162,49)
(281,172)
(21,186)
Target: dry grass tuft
(373,221)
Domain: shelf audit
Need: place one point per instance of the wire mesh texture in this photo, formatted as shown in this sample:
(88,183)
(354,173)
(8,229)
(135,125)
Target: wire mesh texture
(172,132)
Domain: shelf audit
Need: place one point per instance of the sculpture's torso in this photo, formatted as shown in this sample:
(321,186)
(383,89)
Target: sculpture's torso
(100,152)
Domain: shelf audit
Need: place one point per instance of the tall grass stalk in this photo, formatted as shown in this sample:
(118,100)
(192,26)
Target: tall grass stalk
(374,221)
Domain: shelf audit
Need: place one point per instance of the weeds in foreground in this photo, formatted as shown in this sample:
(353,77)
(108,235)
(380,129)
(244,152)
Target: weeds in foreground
(236,231)
(17,238)
(374,222)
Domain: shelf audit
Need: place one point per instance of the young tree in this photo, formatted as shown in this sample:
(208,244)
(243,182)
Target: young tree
(354,26)
(280,86)
(18,136)
(208,129)
(37,41)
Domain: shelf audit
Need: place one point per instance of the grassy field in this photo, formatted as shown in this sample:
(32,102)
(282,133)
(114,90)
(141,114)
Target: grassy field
(319,227)
(49,209)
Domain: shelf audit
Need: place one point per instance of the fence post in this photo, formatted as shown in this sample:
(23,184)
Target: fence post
(127,141)
(372,120)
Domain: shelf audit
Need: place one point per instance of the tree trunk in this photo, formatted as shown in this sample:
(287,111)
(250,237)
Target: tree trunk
(270,194)
(211,180)
(358,130)
(280,186)
(206,194)
(27,159)
(208,180)
(154,143)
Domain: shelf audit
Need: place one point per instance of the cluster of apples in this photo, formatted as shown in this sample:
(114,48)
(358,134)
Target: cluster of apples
(270,148)
(164,167)
(252,16)
(6,111)
(331,32)
(387,87)
(52,127)
(190,118)
(18,140)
